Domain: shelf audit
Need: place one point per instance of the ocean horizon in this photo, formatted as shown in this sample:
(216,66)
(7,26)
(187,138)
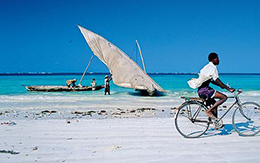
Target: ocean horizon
(105,73)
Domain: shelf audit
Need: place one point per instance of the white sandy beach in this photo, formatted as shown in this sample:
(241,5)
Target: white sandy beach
(57,129)
(43,128)
(121,140)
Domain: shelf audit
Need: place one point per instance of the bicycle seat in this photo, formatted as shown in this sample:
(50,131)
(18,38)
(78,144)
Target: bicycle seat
(193,99)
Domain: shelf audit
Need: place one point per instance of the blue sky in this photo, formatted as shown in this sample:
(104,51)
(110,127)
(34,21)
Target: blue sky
(175,36)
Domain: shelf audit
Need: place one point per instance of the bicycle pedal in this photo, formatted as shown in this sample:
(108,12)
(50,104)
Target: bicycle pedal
(218,123)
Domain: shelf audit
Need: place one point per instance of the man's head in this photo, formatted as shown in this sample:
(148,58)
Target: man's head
(213,57)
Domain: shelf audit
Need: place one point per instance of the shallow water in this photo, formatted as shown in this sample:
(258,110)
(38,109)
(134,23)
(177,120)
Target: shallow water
(14,96)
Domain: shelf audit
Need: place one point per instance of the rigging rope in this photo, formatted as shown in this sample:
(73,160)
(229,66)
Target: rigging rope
(75,28)
(134,50)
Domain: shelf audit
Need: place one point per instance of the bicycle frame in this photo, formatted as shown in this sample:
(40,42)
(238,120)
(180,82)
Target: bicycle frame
(238,102)
(194,116)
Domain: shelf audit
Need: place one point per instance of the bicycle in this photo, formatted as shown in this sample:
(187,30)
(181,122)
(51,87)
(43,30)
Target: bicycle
(191,120)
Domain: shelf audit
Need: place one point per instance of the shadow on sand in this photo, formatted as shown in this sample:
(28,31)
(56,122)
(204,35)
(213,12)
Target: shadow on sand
(229,129)
(145,93)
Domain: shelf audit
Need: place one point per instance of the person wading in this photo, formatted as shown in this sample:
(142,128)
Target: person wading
(107,84)
(93,84)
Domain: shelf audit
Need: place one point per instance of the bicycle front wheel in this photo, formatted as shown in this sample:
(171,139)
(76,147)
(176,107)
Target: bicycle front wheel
(190,120)
(246,119)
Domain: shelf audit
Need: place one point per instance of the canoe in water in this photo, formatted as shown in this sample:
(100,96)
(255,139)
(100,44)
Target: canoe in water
(46,88)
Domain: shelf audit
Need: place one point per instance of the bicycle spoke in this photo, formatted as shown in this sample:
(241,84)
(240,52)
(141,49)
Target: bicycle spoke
(246,119)
(190,121)
(196,113)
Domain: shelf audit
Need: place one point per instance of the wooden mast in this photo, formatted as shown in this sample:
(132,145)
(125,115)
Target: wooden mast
(141,55)
(85,70)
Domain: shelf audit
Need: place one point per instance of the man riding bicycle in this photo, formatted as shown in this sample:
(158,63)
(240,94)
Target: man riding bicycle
(209,74)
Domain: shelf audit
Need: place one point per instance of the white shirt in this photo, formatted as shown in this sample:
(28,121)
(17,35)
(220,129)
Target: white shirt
(107,81)
(93,83)
(210,70)
(207,72)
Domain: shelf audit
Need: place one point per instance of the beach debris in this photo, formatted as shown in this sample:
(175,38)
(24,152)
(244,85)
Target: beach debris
(9,152)
(49,112)
(132,111)
(1,113)
(77,112)
(174,108)
(90,113)
(224,106)
(101,112)
(35,148)
(114,147)
(115,113)
(145,109)
(8,123)
(68,121)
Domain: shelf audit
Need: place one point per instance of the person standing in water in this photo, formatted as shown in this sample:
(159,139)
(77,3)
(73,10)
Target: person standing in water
(107,84)
(93,84)
(209,74)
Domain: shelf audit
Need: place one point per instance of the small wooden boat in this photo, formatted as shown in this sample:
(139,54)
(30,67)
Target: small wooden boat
(46,88)
(76,88)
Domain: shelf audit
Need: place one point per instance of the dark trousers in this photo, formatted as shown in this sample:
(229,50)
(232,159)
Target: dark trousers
(107,90)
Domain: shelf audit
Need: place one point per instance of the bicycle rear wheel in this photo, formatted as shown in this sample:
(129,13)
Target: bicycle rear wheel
(246,119)
(190,120)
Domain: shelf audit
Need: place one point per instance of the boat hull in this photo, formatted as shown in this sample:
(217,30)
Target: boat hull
(44,88)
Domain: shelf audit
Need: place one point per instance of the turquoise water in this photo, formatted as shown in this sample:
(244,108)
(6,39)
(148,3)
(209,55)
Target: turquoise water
(14,96)
(12,85)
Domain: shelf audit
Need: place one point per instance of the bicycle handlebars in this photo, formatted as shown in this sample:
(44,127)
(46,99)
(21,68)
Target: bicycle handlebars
(239,90)
(236,93)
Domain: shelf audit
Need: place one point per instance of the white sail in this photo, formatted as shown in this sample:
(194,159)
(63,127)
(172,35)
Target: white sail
(126,73)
